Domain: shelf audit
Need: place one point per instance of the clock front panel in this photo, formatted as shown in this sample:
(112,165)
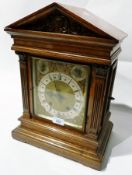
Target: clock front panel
(60,91)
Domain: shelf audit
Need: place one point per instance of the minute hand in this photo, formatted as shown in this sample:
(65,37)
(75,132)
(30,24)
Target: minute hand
(56,87)
(58,92)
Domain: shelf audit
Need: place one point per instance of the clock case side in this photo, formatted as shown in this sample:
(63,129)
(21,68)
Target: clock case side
(100,96)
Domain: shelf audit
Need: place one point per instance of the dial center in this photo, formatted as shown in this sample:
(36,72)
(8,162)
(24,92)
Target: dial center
(59,96)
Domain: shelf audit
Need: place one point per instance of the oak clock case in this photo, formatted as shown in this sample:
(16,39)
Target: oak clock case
(68,59)
(60,91)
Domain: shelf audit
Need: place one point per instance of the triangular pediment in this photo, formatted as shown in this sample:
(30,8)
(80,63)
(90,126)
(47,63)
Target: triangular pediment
(64,19)
(58,22)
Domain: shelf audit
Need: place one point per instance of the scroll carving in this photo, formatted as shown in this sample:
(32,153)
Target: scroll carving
(101,70)
(57,22)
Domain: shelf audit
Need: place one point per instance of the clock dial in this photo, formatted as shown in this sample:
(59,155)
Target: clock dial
(60,91)
(60,95)
(78,73)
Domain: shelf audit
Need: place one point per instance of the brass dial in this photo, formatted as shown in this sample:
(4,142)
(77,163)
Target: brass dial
(60,95)
(60,91)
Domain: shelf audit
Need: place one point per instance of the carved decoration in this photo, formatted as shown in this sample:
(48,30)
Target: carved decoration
(101,70)
(96,103)
(97,106)
(57,22)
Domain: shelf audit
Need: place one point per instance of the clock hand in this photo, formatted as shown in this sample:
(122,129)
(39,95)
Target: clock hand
(56,87)
(58,92)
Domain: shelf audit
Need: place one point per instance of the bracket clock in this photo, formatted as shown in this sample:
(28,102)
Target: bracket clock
(68,59)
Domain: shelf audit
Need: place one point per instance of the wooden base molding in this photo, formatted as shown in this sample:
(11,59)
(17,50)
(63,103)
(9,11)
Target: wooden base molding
(87,156)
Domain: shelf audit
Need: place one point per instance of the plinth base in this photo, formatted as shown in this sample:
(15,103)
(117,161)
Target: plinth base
(84,155)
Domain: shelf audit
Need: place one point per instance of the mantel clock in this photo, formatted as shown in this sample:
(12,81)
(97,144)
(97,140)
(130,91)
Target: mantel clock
(68,59)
